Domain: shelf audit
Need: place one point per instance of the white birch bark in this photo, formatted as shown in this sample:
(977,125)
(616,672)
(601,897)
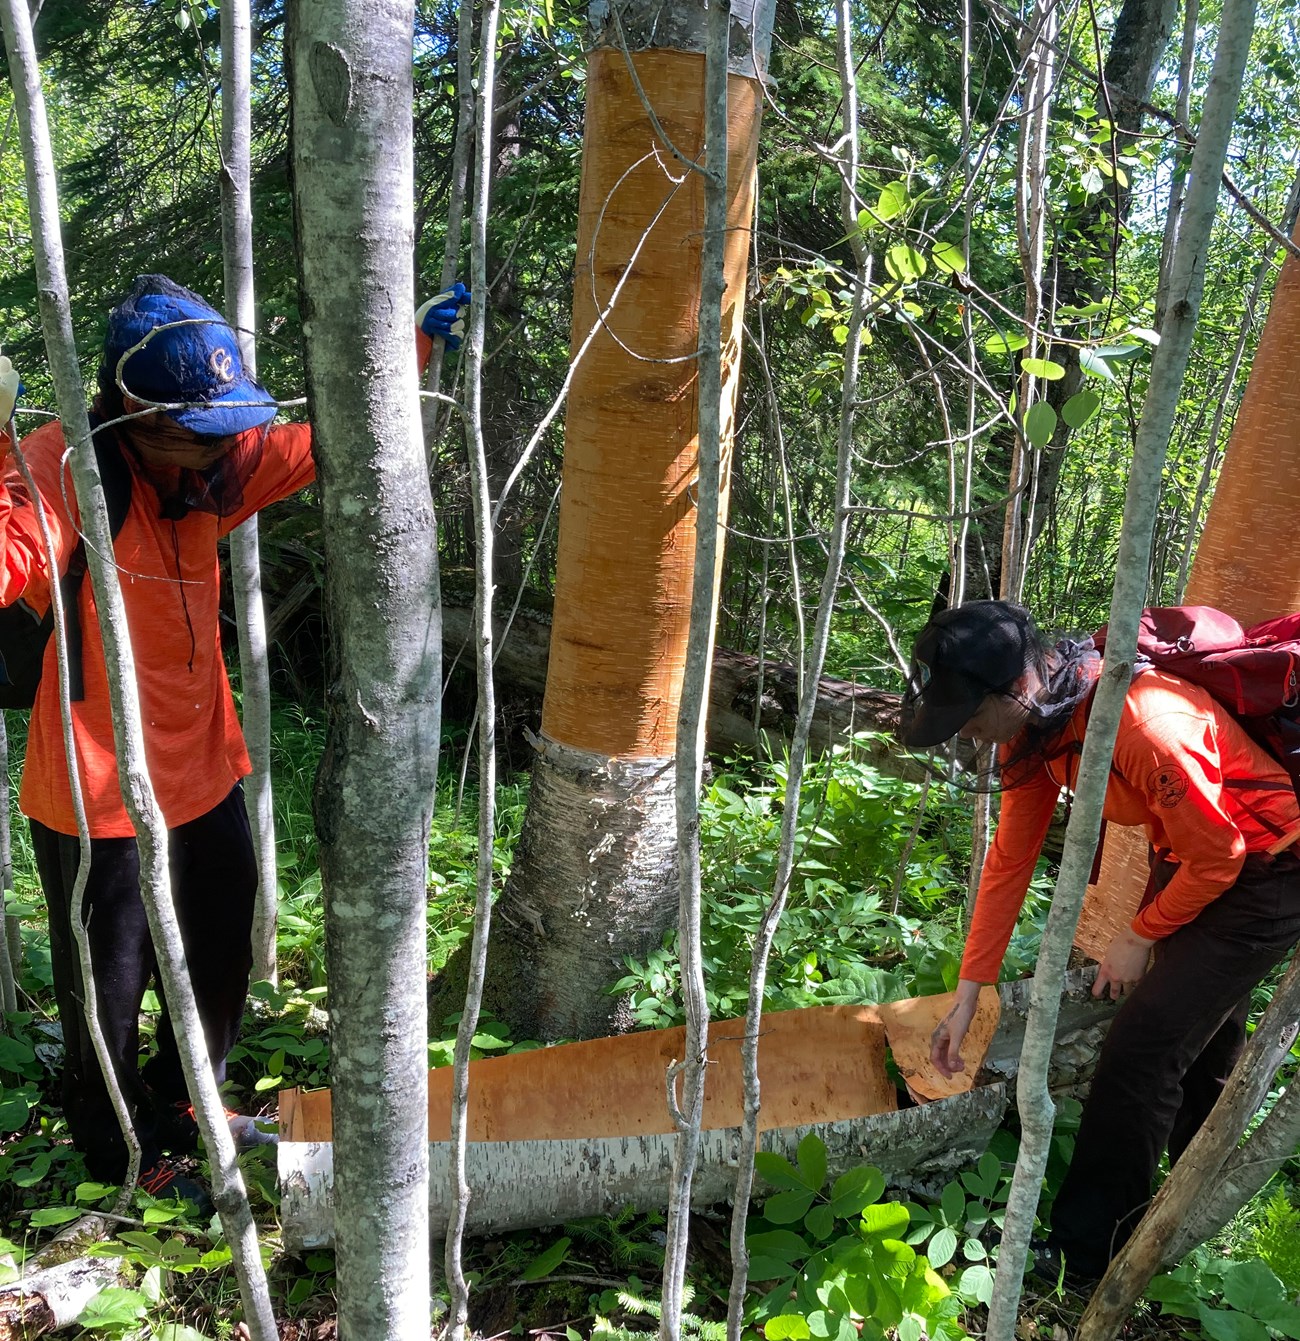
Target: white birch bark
(151,836)
(460,1190)
(350,78)
(245,560)
(50,1300)
(1169,365)
(811,674)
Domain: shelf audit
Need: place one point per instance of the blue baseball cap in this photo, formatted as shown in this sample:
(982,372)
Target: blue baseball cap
(193,357)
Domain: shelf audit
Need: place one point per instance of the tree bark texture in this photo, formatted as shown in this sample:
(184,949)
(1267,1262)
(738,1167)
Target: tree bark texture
(627,519)
(47,1301)
(351,87)
(245,551)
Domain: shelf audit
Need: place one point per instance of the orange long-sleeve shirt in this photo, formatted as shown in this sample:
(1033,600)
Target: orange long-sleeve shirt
(194,747)
(1175,750)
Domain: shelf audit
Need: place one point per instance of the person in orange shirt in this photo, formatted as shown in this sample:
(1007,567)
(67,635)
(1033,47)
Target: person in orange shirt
(1220,913)
(195,473)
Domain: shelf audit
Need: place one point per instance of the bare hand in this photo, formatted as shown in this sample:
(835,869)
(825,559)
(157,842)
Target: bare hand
(1123,966)
(946,1041)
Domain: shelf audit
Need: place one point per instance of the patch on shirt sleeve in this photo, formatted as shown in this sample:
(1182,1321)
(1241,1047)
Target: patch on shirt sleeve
(1168,785)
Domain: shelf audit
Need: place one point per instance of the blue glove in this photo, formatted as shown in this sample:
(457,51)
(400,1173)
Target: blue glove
(441,315)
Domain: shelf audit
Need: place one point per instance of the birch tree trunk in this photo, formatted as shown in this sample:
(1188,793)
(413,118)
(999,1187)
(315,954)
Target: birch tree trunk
(350,80)
(229,1195)
(1168,368)
(593,878)
(245,559)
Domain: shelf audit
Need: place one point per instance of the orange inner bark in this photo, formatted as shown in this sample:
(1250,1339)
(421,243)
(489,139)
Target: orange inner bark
(821,1064)
(627,511)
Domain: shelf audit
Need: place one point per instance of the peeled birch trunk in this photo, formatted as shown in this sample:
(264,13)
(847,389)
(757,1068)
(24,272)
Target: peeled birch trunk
(627,527)
(1168,368)
(245,558)
(49,1300)
(228,1192)
(350,80)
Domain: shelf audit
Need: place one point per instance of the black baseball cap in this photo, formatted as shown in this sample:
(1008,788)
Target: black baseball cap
(962,655)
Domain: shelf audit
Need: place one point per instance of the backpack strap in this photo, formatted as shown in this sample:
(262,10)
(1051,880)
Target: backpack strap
(115,475)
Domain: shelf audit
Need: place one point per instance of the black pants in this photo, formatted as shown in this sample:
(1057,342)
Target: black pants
(214,880)
(1168,1054)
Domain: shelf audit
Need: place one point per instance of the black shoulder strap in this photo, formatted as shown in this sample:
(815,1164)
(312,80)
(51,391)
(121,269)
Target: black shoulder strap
(115,474)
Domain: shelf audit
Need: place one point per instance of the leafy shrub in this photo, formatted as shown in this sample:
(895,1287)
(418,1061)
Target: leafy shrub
(1232,1301)
(1276,1241)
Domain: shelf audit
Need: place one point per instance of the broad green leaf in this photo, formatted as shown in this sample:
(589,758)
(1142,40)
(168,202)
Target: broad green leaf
(1284,1318)
(783,1244)
(973,1250)
(1048,370)
(14,1110)
(856,1190)
(544,1263)
(820,1221)
(942,1247)
(489,1042)
(952,1201)
(949,257)
(976,1284)
(114,1307)
(53,1215)
(1174,1296)
(161,1215)
(812,1161)
(784,1208)
(1006,343)
(904,263)
(892,201)
(910,1328)
(1080,408)
(787,1327)
(990,1170)
(149,1243)
(1119,353)
(14,1053)
(840,334)
(767,1268)
(179,1331)
(1228,1325)
(1094,365)
(1040,424)
(1143,333)
(777,1170)
(1252,1287)
(94,1191)
(1091,181)
(886,1219)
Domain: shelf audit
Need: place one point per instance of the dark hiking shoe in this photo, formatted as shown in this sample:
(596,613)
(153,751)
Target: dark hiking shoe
(1049,1267)
(165,1182)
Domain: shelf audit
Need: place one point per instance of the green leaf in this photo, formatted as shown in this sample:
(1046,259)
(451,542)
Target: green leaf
(767,1268)
(886,1219)
(54,1215)
(784,1208)
(820,1221)
(1226,1325)
(892,201)
(14,1053)
(973,1250)
(1252,1287)
(812,1161)
(942,1247)
(14,1110)
(161,1215)
(1005,344)
(1094,365)
(178,1331)
(783,1244)
(787,1327)
(975,1284)
(114,1307)
(952,1201)
(1091,181)
(1143,333)
(1174,1296)
(949,258)
(1119,353)
(904,263)
(777,1170)
(544,1263)
(854,1191)
(1048,370)
(1040,424)
(1284,1318)
(1080,408)
(94,1191)
(489,1042)
(910,1328)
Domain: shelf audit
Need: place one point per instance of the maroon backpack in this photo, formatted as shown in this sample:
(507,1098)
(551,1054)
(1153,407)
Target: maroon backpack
(1254,673)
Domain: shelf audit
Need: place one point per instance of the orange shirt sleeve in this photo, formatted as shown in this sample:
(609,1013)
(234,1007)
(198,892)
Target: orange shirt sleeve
(1026,815)
(24,573)
(286,466)
(1172,756)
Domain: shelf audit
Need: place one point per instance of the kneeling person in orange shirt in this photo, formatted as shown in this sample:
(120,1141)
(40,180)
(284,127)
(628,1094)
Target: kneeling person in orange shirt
(1224,911)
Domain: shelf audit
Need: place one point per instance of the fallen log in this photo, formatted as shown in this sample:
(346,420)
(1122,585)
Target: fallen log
(739,683)
(583,1128)
(54,1297)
